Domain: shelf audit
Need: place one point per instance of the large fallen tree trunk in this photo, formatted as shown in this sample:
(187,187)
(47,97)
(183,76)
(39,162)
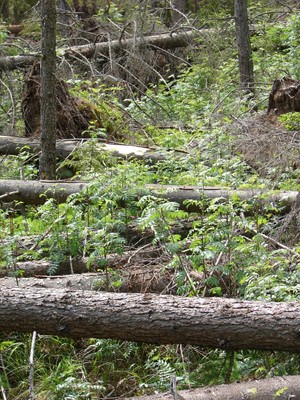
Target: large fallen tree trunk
(36,192)
(215,322)
(11,145)
(162,41)
(286,387)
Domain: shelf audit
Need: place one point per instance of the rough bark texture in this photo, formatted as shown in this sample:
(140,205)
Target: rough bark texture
(216,322)
(279,388)
(162,41)
(284,96)
(47,167)
(30,192)
(244,45)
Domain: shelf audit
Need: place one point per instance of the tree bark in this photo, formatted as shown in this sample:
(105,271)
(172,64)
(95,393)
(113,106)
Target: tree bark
(47,166)
(162,41)
(29,192)
(216,322)
(286,387)
(244,46)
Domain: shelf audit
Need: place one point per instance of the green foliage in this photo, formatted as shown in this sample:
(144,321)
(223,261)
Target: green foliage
(21,166)
(100,101)
(291,121)
(3,34)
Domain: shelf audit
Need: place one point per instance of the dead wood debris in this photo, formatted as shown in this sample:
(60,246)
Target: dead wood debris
(266,145)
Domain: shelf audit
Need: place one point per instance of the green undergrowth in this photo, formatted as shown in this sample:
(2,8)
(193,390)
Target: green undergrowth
(227,242)
(96,368)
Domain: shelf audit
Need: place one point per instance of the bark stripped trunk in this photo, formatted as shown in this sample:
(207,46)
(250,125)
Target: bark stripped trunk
(12,144)
(208,322)
(286,387)
(30,192)
(48,93)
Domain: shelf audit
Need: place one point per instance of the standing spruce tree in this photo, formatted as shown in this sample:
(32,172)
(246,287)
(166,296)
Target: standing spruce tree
(244,46)
(48,92)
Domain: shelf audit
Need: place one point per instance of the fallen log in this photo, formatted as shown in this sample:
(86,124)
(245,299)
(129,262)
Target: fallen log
(286,387)
(86,281)
(207,322)
(12,145)
(103,49)
(37,192)
(143,278)
(26,269)
(137,271)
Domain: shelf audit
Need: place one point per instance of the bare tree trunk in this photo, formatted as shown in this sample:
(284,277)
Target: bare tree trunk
(286,387)
(208,322)
(244,46)
(64,17)
(48,93)
(30,192)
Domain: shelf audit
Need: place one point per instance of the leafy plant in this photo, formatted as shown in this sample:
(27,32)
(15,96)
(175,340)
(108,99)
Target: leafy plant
(291,121)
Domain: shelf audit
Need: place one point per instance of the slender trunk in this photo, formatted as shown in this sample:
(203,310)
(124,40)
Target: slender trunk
(244,46)
(64,17)
(48,92)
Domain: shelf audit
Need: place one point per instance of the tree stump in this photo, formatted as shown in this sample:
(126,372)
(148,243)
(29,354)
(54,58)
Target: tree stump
(284,96)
